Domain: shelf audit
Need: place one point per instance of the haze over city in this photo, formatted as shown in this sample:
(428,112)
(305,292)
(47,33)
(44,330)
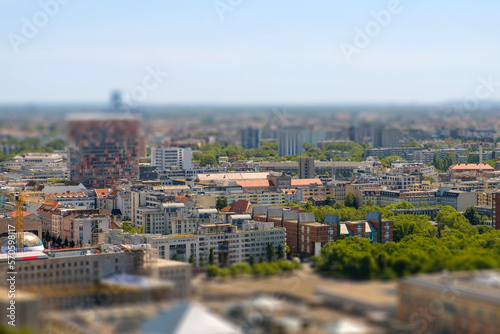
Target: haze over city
(249,52)
(249,167)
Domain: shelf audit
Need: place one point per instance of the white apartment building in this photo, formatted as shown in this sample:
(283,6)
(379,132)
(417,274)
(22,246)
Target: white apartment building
(267,198)
(84,230)
(44,161)
(171,158)
(73,199)
(230,244)
(124,204)
(398,181)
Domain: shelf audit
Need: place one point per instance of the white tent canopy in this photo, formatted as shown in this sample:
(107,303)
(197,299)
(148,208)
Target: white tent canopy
(188,318)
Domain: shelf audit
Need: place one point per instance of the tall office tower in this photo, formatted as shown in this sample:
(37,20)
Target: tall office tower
(116,101)
(306,168)
(377,133)
(362,131)
(352,133)
(290,142)
(173,157)
(103,148)
(311,136)
(250,138)
(391,137)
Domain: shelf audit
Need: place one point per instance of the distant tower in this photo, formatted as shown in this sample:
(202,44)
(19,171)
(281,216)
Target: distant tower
(391,137)
(377,132)
(116,100)
(290,142)
(352,128)
(306,168)
(250,138)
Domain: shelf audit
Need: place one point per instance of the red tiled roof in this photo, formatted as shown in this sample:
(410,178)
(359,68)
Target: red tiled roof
(102,193)
(241,206)
(49,207)
(182,199)
(471,167)
(226,209)
(14,214)
(305,182)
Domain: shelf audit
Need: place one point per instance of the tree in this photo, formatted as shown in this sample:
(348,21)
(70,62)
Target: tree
(407,225)
(211,257)
(208,160)
(270,252)
(472,215)
(261,259)
(449,218)
(405,205)
(351,201)
(127,228)
(308,206)
(251,260)
(281,252)
(212,271)
(221,202)
(412,142)
(387,161)
(201,262)
(175,257)
(56,144)
(429,178)
(191,259)
(197,156)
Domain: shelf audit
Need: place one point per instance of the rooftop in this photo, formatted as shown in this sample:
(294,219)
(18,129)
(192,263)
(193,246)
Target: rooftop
(471,167)
(482,285)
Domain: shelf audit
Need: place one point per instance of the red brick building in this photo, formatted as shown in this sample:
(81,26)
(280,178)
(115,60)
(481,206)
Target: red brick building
(103,149)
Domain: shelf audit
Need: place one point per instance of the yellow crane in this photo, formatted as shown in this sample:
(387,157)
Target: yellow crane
(20,198)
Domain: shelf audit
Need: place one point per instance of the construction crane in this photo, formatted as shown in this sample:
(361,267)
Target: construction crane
(20,198)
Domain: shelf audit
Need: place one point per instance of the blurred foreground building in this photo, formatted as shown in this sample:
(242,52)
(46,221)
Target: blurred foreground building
(466,302)
(92,277)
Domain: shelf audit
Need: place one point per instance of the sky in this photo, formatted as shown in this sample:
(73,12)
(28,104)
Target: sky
(248,51)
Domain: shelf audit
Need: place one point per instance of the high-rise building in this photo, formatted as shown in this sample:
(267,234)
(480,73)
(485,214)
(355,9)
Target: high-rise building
(306,168)
(391,137)
(290,142)
(377,132)
(103,149)
(171,158)
(250,138)
(312,136)
(116,102)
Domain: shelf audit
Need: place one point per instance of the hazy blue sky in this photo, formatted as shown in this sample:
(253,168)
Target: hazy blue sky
(284,51)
